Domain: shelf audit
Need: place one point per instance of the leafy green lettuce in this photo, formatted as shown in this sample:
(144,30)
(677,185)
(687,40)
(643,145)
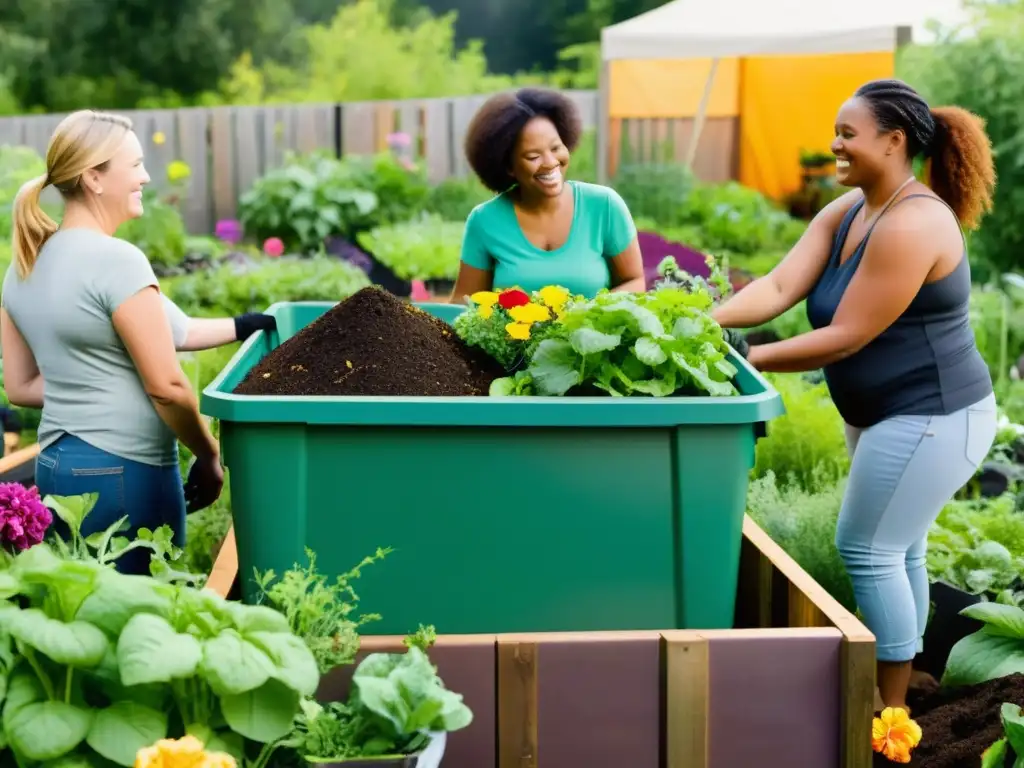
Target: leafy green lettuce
(658,343)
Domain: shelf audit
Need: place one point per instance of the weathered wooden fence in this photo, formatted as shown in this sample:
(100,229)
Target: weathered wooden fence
(227,148)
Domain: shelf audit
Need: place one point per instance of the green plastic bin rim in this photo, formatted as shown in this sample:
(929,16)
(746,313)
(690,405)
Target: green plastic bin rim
(759,403)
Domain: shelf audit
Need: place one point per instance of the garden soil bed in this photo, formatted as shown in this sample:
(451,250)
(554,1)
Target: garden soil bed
(959,724)
(373,343)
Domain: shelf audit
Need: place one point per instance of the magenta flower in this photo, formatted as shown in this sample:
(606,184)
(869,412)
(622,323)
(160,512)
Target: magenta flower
(273,246)
(24,518)
(229,230)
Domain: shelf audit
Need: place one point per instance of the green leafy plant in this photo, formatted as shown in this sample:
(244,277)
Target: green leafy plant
(423,248)
(319,612)
(306,201)
(453,199)
(397,701)
(160,232)
(658,343)
(658,191)
(978,546)
(1012,744)
(803,523)
(805,446)
(995,650)
(228,291)
(97,665)
(401,187)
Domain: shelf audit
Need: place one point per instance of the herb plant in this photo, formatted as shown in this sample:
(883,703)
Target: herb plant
(319,612)
(1012,744)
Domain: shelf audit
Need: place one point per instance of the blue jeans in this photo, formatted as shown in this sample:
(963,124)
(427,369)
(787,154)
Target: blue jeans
(148,495)
(904,471)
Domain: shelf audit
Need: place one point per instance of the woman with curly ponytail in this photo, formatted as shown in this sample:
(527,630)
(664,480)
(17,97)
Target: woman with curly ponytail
(885,273)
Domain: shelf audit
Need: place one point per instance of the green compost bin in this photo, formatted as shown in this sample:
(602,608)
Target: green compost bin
(505,514)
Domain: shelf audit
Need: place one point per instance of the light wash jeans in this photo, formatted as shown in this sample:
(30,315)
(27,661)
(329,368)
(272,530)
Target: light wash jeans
(904,470)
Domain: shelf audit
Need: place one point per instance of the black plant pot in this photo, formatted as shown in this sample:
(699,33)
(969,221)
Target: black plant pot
(946,628)
(440,287)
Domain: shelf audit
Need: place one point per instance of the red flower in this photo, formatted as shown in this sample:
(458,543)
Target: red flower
(513,298)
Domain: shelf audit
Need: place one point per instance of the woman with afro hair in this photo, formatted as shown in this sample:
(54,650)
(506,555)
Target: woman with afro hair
(885,273)
(541,229)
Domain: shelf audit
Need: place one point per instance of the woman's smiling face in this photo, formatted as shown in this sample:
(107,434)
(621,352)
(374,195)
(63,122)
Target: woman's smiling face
(540,158)
(862,151)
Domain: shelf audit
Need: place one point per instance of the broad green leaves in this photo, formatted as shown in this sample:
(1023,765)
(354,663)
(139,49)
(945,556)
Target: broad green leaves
(994,651)
(76,644)
(150,651)
(121,730)
(658,343)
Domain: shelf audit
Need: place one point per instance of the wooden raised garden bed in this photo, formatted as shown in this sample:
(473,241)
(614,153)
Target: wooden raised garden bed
(792,685)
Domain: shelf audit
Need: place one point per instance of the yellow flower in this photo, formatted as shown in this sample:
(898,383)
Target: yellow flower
(894,734)
(159,138)
(186,752)
(519,331)
(529,313)
(485,311)
(554,296)
(178,170)
(484,298)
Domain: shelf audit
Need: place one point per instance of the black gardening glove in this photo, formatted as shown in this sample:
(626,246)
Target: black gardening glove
(246,325)
(737,341)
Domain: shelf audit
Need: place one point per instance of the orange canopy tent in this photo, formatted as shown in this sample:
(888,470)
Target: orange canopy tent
(783,67)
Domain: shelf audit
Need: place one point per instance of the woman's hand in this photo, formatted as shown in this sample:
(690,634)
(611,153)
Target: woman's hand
(208,333)
(204,484)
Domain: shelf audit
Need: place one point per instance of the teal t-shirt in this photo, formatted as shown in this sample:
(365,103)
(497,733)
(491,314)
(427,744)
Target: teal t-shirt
(602,228)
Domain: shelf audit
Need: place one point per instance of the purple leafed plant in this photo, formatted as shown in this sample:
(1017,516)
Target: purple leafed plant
(24,519)
(353,254)
(654,248)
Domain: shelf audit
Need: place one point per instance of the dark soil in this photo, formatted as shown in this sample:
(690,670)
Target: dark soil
(373,343)
(958,724)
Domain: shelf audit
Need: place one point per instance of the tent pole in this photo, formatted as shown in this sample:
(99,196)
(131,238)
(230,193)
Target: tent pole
(603,123)
(702,111)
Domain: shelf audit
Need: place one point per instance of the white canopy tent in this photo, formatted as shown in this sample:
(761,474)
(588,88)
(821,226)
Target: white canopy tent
(715,29)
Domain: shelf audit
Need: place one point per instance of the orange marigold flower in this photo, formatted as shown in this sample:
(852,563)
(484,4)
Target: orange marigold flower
(894,734)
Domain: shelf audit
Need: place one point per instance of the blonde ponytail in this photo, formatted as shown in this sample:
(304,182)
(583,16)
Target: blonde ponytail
(32,227)
(83,140)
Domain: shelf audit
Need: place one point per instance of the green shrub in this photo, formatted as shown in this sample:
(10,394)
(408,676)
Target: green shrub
(807,445)
(658,191)
(307,200)
(402,191)
(17,165)
(159,232)
(228,291)
(804,525)
(424,248)
(454,198)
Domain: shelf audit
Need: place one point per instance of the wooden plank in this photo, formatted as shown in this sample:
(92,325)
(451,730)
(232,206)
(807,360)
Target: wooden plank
(687,691)
(588,103)
(225,199)
(383,125)
(19,457)
(193,128)
(225,567)
(836,614)
(409,117)
(437,139)
(357,128)
(517,704)
(857,702)
(306,138)
(462,112)
(248,140)
(272,132)
(12,132)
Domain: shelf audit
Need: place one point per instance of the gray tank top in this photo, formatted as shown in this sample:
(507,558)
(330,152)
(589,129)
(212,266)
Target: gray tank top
(925,363)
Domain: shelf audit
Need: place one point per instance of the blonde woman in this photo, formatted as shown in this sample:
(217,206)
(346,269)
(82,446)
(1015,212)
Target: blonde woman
(82,311)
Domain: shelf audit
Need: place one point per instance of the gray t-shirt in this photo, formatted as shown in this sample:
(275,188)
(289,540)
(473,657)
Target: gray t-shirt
(63,310)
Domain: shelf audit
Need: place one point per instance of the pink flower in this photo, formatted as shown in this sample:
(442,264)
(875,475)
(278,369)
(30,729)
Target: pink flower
(273,246)
(24,518)
(419,291)
(399,139)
